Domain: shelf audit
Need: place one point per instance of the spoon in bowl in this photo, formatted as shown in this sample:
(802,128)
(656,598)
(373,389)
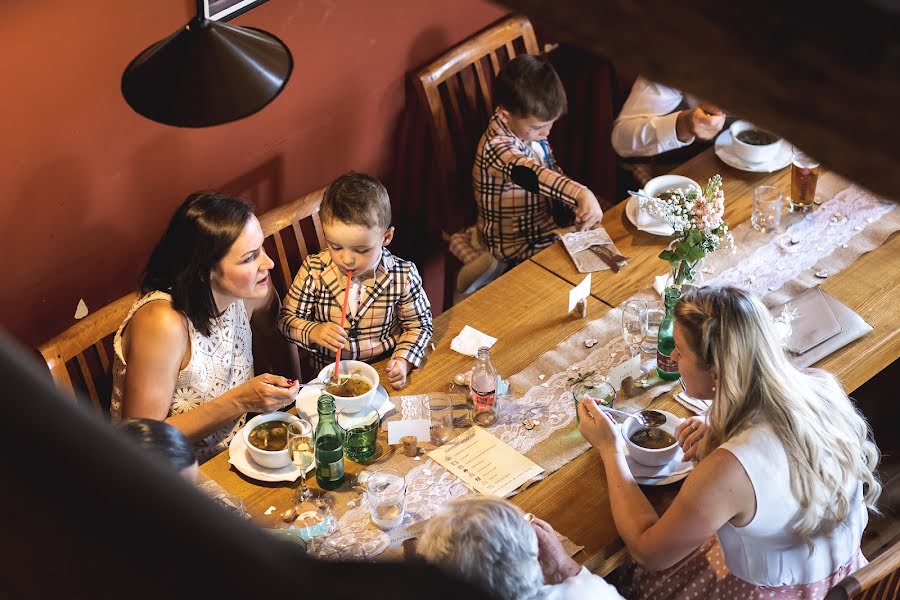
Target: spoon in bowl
(647,418)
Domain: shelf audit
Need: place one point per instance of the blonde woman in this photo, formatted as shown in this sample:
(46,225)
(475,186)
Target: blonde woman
(777,505)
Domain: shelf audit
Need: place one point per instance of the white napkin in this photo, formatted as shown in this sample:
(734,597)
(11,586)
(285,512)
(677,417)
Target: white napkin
(695,405)
(659,283)
(470,340)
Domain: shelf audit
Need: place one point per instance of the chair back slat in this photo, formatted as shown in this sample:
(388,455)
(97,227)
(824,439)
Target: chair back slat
(282,265)
(300,239)
(878,580)
(457,94)
(79,358)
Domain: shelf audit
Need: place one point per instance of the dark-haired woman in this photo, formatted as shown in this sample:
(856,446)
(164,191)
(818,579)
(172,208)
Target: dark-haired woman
(185,352)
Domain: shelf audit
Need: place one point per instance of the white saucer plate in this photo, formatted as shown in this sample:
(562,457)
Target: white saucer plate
(633,208)
(240,458)
(308,397)
(723,151)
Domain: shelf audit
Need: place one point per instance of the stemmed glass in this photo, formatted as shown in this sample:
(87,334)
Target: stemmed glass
(632,324)
(302,452)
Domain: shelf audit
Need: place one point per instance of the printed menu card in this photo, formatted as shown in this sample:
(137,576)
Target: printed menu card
(485,463)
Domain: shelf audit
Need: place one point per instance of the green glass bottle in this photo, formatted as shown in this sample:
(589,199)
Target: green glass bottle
(329,447)
(666,367)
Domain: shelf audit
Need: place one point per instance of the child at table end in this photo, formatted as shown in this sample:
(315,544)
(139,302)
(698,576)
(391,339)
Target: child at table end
(388,312)
(515,176)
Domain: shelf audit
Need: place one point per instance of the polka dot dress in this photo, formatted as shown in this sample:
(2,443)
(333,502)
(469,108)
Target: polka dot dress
(703,574)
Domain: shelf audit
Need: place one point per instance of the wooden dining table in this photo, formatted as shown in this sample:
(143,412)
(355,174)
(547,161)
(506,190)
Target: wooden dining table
(526,310)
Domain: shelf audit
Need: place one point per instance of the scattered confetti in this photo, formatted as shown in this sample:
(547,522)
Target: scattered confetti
(433,346)
(590,343)
(613,354)
(771,288)
(541,376)
(752,279)
(574,367)
(818,200)
(844,246)
(270,510)
(823,274)
(417,458)
(707,270)
(528,424)
(870,220)
(795,240)
(858,228)
(288,515)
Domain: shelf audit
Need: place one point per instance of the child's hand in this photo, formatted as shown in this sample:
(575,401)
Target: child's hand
(588,213)
(397,368)
(329,335)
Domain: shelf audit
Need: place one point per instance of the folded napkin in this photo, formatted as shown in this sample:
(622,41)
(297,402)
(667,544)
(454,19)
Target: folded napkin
(695,405)
(659,283)
(470,340)
(578,243)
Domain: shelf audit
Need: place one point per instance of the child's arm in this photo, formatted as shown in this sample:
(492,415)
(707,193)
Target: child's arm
(415,320)
(501,156)
(295,319)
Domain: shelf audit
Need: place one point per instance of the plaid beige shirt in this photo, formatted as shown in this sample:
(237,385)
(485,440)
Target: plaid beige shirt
(393,315)
(514,222)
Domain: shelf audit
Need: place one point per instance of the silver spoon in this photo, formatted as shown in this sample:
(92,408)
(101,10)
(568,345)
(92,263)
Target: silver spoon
(647,418)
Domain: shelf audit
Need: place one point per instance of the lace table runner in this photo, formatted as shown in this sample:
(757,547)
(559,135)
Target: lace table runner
(773,267)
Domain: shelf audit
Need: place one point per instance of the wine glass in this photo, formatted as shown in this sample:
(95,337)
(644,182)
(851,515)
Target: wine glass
(632,324)
(302,452)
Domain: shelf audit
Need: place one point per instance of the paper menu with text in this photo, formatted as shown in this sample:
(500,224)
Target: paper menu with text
(485,463)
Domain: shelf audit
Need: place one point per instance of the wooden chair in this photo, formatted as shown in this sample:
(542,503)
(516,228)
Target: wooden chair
(457,90)
(880,579)
(80,358)
(293,231)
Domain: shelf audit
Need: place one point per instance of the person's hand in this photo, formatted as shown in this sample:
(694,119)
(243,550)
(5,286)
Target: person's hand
(703,122)
(265,393)
(689,433)
(329,335)
(556,564)
(396,370)
(588,212)
(598,428)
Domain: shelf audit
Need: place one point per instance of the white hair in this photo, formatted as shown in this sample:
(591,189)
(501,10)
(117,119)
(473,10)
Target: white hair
(488,542)
(826,439)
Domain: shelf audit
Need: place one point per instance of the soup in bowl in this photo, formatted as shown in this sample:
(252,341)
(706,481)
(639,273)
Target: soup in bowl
(356,385)
(753,144)
(266,439)
(648,447)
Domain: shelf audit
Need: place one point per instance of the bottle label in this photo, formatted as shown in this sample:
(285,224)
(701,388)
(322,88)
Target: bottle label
(483,401)
(332,471)
(666,363)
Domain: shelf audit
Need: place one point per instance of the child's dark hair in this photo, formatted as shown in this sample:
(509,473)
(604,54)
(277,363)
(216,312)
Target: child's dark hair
(159,439)
(199,235)
(357,199)
(528,86)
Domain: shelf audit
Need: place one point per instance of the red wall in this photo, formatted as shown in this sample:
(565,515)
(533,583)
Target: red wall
(87,185)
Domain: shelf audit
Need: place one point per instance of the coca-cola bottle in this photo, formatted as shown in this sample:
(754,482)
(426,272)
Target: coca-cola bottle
(483,390)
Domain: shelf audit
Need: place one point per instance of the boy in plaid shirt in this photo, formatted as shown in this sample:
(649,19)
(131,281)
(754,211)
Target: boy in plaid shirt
(515,177)
(387,309)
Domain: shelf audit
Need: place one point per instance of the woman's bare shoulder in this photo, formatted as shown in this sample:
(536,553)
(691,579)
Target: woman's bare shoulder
(160,321)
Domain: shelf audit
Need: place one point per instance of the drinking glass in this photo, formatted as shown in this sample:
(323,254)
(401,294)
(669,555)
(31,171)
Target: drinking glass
(386,491)
(651,317)
(804,176)
(302,451)
(439,406)
(766,215)
(360,433)
(632,330)
(597,389)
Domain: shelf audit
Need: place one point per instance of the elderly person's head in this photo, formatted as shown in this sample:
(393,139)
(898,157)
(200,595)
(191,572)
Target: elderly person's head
(487,541)
(727,349)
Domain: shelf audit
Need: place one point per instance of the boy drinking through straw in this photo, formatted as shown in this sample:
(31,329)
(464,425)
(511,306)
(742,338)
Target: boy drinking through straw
(387,310)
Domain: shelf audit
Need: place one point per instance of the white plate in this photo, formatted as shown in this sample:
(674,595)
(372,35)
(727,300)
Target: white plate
(632,208)
(308,397)
(723,151)
(240,458)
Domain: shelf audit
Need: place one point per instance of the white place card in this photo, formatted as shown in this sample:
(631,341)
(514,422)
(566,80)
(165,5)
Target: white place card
(421,428)
(485,463)
(629,368)
(398,535)
(579,292)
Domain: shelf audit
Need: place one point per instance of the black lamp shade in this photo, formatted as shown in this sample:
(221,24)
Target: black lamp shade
(208,73)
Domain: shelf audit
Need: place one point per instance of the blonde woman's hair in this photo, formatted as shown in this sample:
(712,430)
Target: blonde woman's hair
(827,441)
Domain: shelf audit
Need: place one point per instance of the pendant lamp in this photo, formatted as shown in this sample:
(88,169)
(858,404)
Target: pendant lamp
(208,73)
